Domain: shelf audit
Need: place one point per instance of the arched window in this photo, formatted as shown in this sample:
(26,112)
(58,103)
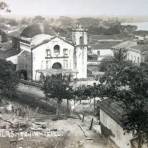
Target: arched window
(81,40)
(57,49)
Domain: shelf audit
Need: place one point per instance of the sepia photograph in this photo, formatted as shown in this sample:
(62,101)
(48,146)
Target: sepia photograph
(73,73)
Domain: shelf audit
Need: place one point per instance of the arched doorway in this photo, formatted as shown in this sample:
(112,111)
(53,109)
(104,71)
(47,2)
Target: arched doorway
(57,66)
(22,74)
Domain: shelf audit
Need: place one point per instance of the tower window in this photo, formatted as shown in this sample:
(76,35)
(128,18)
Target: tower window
(57,49)
(81,40)
(48,53)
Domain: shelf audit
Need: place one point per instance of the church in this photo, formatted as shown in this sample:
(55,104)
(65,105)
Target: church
(44,55)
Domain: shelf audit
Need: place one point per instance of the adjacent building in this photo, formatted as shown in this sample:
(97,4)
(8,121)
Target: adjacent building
(101,47)
(134,50)
(111,114)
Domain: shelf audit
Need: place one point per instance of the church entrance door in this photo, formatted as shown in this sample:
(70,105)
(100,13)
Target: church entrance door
(57,66)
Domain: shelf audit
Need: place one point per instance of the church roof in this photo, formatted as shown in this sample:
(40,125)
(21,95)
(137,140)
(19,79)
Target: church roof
(40,39)
(44,38)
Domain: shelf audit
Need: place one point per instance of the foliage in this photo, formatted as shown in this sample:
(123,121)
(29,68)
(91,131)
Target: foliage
(119,57)
(8,78)
(4,6)
(105,62)
(58,87)
(38,19)
(82,92)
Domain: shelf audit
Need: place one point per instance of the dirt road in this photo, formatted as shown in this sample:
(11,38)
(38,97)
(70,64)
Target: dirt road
(76,136)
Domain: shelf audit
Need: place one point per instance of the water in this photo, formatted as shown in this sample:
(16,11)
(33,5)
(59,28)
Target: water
(140,25)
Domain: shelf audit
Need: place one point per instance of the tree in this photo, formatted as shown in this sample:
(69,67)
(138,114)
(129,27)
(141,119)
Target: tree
(105,62)
(87,92)
(125,82)
(58,87)
(83,92)
(119,57)
(94,93)
(136,120)
(8,79)
(38,19)
(4,6)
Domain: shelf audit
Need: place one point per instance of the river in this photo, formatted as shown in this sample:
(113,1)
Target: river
(140,25)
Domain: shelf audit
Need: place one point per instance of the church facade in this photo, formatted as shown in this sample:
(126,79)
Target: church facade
(45,55)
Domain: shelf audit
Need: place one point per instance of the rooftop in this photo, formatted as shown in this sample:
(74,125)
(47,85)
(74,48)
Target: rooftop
(39,39)
(113,109)
(126,44)
(141,47)
(105,41)
(16,32)
(104,44)
(132,45)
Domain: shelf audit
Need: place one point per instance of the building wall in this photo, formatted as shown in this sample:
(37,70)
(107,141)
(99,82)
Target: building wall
(24,62)
(120,138)
(80,40)
(25,46)
(102,53)
(135,57)
(81,61)
(79,36)
(41,61)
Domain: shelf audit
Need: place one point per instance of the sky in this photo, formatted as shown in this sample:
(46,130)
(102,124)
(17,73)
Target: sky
(79,7)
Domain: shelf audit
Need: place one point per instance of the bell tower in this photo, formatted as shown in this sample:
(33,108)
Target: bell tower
(80,41)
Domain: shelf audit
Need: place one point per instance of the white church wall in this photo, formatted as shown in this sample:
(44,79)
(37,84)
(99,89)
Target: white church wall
(42,62)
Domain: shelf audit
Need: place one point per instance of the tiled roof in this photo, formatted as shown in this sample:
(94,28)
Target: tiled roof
(142,47)
(125,44)
(108,37)
(105,41)
(46,40)
(40,39)
(132,45)
(112,109)
(16,32)
(104,44)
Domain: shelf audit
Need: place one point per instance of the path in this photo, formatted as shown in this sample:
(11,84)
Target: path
(76,137)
